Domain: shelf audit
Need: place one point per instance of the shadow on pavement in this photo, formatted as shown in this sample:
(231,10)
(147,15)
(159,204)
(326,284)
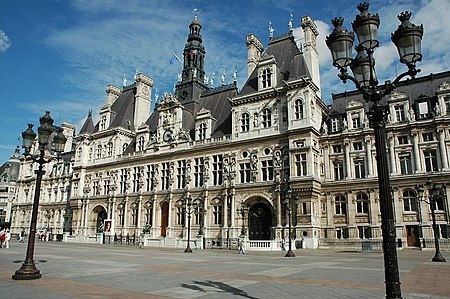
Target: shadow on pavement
(223,287)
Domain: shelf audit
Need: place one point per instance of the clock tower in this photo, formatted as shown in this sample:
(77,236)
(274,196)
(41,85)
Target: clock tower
(192,83)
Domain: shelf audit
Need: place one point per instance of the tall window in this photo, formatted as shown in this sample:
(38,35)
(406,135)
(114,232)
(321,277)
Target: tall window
(245,122)
(123,180)
(298,106)
(400,113)
(180,215)
(405,163)
(199,169)
(335,125)
(149,177)
(362,204)
(148,213)
(109,149)
(95,188)
(409,201)
(427,136)
(403,139)
(103,122)
(266,78)
(364,232)
(447,105)
(266,118)
(217,214)
(165,175)
(337,148)
(99,151)
(124,147)
(244,171)
(217,169)
(202,131)
(141,144)
(181,174)
(300,164)
(357,146)
(430,160)
(423,110)
(359,168)
(356,121)
(340,205)
(121,215)
(267,170)
(338,167)
(134,214)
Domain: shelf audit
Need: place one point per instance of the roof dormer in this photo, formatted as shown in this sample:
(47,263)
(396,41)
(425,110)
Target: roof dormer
(267,72)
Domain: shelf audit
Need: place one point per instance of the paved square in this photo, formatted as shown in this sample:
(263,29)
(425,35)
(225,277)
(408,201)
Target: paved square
(121,271)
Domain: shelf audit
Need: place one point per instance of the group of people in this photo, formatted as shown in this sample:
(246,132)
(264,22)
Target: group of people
(5,237)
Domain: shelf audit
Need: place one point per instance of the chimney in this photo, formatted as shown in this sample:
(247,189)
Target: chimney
(255,48)
(310,51)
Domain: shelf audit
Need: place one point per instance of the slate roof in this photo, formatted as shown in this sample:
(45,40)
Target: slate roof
(88,126)
(425,86)
(289,59)
(122,110)
(11,167)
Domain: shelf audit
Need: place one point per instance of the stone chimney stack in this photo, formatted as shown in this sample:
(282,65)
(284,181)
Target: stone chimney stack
(144,86)
(112,93)
(310,51)
(255,48)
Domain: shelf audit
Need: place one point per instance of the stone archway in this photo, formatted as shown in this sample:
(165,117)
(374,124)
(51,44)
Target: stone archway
(260,218)
(99,217)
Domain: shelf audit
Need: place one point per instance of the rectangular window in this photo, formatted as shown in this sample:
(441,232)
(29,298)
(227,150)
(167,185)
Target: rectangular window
(217,214)
(359,168)
(149,177)
(301,164)
(356,121)
(447,105)
(400,113)
(165,176)
(338,170)
(123,180)
(337,148)
(267,170)
(244,171)
(405,163)
(335,125)
(428,136)
(217,171)
(181,174)
(430,160)
(402,139)
(423,110)
(199,169)
(136,179)
(364,232)
(180,215)
(357,146)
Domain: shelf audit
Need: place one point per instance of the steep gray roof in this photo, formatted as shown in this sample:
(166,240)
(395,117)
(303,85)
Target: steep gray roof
(88,126)
(122,111)
(9,171)
(288,58)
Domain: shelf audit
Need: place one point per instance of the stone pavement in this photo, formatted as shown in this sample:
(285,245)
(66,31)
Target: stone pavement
(121,271)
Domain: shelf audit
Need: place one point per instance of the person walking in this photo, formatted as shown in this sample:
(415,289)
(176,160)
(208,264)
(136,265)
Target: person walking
(241,247)
(7,238)
(22,235)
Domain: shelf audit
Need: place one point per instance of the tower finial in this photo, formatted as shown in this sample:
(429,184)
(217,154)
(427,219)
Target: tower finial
(291,21)
(196,13)
(271,30)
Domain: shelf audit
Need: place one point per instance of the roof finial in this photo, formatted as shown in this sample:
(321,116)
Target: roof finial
(124,83)
(291,20)
(271,30)
(235,74)
(196,13)
(135,75)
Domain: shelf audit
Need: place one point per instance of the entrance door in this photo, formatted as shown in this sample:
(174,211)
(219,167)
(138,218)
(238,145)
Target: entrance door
(164,218)
(412,235)
(260,222)
(101,216)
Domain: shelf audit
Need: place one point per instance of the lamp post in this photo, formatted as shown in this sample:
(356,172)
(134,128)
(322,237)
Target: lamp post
(434,192)
(289,200)
(48,136)
(242,210)
(188,205)
(407,38)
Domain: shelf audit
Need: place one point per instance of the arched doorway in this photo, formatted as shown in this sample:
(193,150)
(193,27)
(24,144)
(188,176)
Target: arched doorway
(101,216)
(164,218)
(259,222)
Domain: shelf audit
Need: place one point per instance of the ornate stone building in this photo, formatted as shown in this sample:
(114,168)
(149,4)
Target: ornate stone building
(221,161)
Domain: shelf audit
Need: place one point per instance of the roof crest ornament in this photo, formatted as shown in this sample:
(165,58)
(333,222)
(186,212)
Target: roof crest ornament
(196,13)
(271,30)
(291,21)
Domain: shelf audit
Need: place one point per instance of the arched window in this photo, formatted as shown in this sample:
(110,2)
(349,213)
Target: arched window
(245,122)
(298,107)
(340,205)
(362,204)
(217,212)
(148,213)
(409,201)
(134,214)
(121,215)
(202,131)
(267,118)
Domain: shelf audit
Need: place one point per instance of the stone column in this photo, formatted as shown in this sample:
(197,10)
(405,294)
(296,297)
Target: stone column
(369,157)
(278,194)
(86,217)
(392,154)
(225,209)
(139,211)
(326,158)
(233,208)
(415,143)
(347,159)
(442,148)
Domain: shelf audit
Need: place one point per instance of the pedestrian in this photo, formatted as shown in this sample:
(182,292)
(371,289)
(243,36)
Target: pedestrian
(7,238)
(2,237)
(241,247)
(22,235)
(141,242)
(283,245)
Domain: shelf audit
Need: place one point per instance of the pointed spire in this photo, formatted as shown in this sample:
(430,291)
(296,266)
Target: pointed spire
(271,30)
(291,21)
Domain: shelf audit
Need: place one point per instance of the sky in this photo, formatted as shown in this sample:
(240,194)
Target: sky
(59,55)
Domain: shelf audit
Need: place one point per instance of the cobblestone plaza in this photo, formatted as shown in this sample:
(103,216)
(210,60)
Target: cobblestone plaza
(125,271)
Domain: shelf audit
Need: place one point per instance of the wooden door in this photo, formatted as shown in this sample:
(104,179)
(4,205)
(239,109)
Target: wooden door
(164,218)
(412,235)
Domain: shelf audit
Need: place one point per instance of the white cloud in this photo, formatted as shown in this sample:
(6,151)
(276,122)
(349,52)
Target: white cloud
(5,43)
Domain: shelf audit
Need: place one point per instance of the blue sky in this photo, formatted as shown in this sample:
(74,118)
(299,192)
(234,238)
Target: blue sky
(60,55)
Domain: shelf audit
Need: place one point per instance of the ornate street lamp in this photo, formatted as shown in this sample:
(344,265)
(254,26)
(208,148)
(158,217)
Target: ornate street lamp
(188,206)
(50,138)
(434,193)
(200,214)
(407,39)
(290,202)
(243,210)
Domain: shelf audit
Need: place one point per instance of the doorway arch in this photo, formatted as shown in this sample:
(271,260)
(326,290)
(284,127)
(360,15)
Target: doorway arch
(101,215)
(164,218)
(260,222)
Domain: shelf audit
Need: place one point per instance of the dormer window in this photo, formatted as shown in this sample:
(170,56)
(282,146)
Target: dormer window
(356,121)
(202,131)
(245,122)
(298,106)
(423,110)
(267,118)
(103,122)
(140,144)
(266,77)
(400,113)
(335,126)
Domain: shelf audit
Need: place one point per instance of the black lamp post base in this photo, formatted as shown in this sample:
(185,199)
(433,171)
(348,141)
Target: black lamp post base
(290,253)
(188,250)
(28,271)
(438,258)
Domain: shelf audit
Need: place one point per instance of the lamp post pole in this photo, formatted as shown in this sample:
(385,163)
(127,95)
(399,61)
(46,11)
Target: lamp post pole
(189,212)
(407,39)
(288,205)
(28,270)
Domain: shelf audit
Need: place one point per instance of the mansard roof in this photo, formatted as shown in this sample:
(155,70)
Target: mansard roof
(420,87)
(122,110)
(88,126)
(289,59)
